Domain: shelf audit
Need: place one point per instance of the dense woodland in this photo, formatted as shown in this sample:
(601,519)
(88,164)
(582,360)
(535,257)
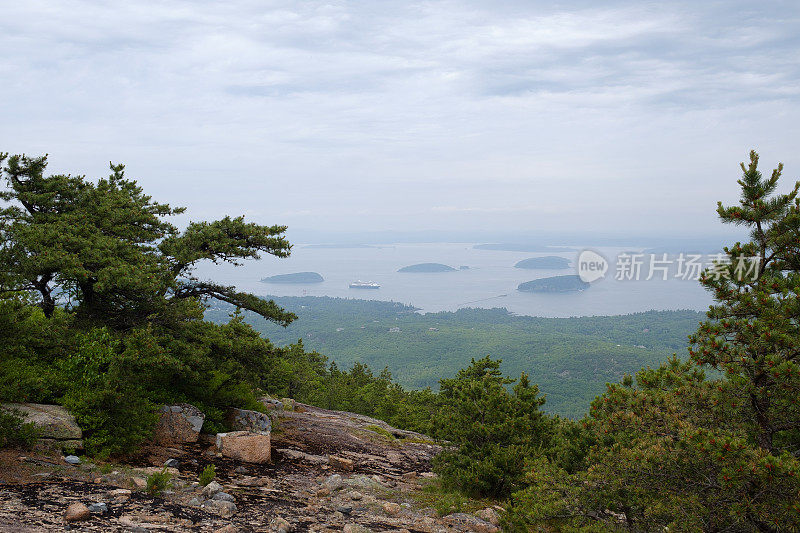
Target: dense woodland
(571,359)
(100,310)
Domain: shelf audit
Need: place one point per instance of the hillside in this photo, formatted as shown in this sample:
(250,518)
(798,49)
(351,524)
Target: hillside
(570,358)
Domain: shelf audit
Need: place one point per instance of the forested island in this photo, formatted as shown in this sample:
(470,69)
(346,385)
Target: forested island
(550,262)
(568,283)
(427,267)
(297,277)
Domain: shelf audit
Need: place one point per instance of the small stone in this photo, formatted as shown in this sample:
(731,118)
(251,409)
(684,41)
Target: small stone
(471,523)
(355,528)
(211,489)
(139,482)
(324,491)
(340,463)
(76,512)
(391,508)
(98,508)
(334,482)
(241,470)
(280,525)
(355,495)
(194,502)
(221,508)
(344,509)
(73,459)
(119,492)
(230,528)
(224,497)
(172,463)
(253,481)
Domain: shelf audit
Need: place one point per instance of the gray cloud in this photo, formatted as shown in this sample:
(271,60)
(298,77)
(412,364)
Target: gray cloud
(447,115)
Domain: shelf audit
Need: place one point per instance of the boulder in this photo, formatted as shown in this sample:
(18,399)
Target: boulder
(334,482)
(178,424)
(244,420)
(244,446)
(271,403)
(280,525)
(57,427)
(489,515)
(223,497)
(220,508)
(211,489)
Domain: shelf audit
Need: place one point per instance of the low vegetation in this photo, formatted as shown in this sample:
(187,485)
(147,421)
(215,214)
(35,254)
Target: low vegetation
(158,482)
(14,431)
(207,475)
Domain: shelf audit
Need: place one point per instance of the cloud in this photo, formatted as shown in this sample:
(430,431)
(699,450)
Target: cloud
(362,112)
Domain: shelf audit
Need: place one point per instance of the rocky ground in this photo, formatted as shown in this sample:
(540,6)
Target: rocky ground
(331,471)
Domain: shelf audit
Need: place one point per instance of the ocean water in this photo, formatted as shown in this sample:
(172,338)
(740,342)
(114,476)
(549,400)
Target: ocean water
(490,281)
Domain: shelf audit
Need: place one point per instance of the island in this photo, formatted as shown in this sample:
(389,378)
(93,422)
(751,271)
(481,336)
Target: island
(550,262)
(554,284)
(297,277)
(520,247)
(428,267)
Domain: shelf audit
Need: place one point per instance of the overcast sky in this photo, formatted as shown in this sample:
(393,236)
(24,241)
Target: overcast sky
(449,116)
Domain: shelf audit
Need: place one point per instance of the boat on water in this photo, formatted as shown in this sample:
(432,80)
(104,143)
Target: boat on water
(364,285)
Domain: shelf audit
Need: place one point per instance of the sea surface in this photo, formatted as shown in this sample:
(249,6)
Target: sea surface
(490,281)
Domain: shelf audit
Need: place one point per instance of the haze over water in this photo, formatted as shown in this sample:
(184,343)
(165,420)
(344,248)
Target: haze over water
(491,280)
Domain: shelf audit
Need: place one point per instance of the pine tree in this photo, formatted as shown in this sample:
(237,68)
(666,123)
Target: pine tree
(753,331)
(106,251)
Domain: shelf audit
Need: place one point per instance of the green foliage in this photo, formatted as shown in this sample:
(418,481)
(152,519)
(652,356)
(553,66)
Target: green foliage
(99,307)
(158,482)
(207,475)
(571,359)
(495,431)
(14,431)
(105,248)
(753,331)
(674,450)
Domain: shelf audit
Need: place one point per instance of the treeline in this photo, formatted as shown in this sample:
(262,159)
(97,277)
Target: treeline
(571,359)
